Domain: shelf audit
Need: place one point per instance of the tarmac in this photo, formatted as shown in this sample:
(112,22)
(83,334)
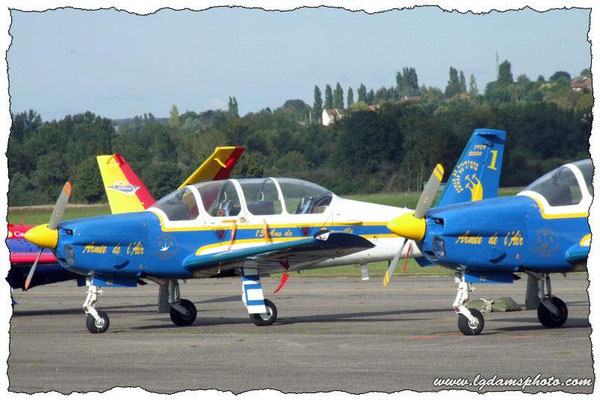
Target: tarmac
(332,334)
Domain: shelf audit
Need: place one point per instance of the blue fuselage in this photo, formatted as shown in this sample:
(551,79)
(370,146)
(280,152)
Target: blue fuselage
(129,246)
(502,235)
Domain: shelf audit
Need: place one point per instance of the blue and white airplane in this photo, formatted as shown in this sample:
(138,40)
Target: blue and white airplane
(542,230)
(242,227)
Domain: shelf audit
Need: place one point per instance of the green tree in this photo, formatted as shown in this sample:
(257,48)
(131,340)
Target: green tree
(371,97)
(317,109)
(453,87)
(462,83)
(174,118)
(560,74)
(338,96)
(362,93)
(586,73)
(87,182)
(473,91)
(505,76)
(350,99)
(233,107)
(328,98)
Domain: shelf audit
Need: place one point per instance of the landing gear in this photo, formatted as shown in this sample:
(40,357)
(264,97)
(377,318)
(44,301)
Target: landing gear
(183,312)
(265,319)
(98,326)
(470,320)
(550,320)
(552,312)
(262,312)
(471,328)
(96,321)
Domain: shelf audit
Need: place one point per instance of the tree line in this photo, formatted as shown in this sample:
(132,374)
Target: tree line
(382,143)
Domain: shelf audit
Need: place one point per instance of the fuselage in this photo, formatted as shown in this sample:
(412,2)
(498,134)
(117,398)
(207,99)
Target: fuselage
(543,229)
(220,216)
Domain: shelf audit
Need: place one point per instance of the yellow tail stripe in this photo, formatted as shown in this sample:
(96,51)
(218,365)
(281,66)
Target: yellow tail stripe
(113,176)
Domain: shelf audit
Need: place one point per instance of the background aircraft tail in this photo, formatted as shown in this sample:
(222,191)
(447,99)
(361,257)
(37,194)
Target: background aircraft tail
(476,176)
(125,190)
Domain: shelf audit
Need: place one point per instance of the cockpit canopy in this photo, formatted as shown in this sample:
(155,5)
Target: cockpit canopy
(260,196)
(566,185)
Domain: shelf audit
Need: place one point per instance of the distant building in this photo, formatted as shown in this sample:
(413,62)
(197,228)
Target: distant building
(410,99)
(331,115)
(581,83)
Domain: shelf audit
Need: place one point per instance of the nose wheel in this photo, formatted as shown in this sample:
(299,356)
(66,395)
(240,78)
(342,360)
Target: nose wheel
(99,325)
(473,326)
(267,318)
(470,320)
(96,321)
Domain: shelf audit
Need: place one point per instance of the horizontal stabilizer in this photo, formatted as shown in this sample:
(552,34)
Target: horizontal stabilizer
(216,167)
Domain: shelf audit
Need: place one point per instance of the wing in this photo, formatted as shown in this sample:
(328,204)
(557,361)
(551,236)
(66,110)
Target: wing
(218,166)
(125,190)
(322,246)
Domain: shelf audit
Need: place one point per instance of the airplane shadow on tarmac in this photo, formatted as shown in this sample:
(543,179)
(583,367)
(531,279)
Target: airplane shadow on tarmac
(120,309)
(359,317)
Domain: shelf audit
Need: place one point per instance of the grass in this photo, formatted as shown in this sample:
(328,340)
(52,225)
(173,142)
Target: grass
(35,215)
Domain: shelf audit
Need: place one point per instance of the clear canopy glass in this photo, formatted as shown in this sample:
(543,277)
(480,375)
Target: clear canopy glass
(560,186)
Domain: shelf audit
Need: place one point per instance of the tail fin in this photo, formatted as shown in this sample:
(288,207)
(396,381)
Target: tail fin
(125,190)
(218,166)
(476,176)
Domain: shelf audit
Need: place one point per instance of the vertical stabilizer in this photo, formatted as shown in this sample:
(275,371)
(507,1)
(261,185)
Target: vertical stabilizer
(476,176)
(125,190)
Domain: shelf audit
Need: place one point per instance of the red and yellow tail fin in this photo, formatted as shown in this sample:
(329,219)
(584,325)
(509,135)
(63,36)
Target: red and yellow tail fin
(218,166)
(125,190)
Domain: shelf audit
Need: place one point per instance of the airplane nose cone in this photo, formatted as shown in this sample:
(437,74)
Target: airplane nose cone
(42,236)
(408,226)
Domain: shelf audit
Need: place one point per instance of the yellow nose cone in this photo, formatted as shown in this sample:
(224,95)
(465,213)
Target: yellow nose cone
(42,236)
(408,226)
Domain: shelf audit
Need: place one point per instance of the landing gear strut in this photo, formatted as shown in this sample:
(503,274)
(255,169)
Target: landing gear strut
(262,312)
(183,312)
(96,321)
(470,320)
(552,311)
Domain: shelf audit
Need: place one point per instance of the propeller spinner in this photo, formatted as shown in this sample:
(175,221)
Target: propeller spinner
(46,236)
(412,225)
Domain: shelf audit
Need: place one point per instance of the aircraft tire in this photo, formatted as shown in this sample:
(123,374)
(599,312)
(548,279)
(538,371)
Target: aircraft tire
(269,318)
(549,320)
(93,327)
(466,328)
(184,320)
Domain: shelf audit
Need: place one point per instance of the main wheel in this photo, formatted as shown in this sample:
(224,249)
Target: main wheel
(471,329)
(550,320)
(184,320)
(265,319)
(97,326)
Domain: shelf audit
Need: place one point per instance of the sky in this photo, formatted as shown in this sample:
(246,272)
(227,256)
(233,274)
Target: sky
(119,65)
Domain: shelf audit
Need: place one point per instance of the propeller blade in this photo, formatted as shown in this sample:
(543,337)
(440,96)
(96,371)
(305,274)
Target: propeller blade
(392,267)
(60,207)
(32,271)
(431,188)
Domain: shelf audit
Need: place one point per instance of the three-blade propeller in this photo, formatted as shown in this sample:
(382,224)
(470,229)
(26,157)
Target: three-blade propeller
(46,236)
(412,225)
